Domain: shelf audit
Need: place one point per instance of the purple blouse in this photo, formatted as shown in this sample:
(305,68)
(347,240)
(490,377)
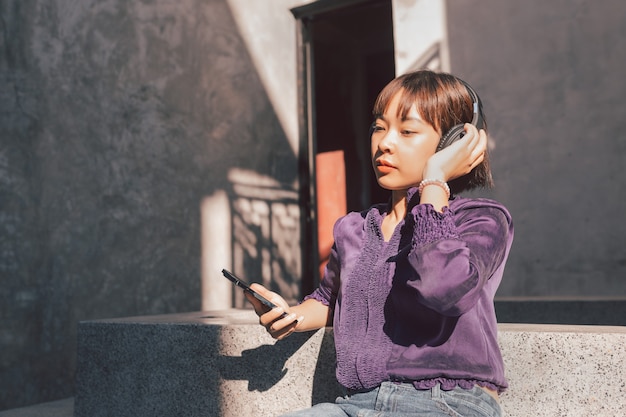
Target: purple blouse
(418,308)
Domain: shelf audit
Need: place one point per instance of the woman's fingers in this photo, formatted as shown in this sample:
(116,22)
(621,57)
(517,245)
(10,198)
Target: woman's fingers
(259,307)
(268,318)
(459,158)
(476,146)
(478,152)
(279,321)
(282,328)
(477,139)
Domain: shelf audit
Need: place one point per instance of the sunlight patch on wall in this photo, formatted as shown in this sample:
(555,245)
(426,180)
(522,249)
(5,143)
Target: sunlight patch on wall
(216,251)
(420,35)
(269,30)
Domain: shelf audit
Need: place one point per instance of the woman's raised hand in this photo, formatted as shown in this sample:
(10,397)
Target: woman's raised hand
(459,158)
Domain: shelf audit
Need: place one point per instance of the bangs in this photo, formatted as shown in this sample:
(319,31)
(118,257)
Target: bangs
(430,97)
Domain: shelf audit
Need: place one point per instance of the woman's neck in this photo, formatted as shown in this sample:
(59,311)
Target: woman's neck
(396,213)
(399,204)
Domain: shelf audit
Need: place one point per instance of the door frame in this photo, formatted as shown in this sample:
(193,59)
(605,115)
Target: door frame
(307,133)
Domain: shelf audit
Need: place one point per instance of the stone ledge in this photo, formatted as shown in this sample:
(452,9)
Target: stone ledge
(224,364)
(564,370)
(606,311)
(198,364)
(59,408)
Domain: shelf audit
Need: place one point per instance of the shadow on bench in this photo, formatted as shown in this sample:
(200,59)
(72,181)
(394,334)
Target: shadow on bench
(224,364)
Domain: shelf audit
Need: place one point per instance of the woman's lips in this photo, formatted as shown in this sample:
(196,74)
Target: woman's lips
(384,167)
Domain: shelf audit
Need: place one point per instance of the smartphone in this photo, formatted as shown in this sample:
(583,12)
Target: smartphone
(239,283)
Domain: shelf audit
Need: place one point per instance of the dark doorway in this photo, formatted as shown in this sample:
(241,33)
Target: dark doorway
(347,57)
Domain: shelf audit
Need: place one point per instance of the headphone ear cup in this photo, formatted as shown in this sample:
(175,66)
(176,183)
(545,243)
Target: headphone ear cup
(454,134)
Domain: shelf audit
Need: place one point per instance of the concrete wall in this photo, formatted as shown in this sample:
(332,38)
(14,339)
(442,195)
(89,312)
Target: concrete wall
(117,121)
(551,75)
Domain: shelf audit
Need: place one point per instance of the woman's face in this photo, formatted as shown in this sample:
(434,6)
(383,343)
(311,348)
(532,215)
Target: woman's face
(401,147)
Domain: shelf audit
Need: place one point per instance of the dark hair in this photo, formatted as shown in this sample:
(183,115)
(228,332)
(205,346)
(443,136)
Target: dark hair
(443,101)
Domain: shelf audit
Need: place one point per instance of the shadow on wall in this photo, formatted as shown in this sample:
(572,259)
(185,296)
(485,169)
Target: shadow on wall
(119,117)
(253,230)
(265,230)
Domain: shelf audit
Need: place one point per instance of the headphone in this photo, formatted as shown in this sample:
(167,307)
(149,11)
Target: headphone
(456,132)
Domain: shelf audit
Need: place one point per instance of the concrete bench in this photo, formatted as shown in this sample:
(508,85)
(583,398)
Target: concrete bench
(224,364)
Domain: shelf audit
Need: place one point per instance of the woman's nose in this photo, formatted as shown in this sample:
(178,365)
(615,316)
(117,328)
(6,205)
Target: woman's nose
(387,142)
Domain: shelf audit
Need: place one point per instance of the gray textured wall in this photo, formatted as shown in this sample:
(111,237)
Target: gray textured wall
(552,78)
(116,119)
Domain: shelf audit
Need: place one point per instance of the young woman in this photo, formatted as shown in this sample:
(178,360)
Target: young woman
(410,283)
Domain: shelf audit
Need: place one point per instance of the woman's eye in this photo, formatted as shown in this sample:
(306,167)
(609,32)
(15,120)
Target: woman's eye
(408,132)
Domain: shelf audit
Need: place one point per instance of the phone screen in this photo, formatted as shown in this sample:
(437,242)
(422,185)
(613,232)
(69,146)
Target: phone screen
(241,284)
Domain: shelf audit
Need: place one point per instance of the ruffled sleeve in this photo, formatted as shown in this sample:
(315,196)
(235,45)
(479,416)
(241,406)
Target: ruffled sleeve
(326,292)
(454,253)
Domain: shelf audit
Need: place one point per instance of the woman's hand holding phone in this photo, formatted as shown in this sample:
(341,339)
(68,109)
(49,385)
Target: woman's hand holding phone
(278,324)
(274,313)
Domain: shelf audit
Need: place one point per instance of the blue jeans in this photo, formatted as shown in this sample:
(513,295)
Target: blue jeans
(403,400)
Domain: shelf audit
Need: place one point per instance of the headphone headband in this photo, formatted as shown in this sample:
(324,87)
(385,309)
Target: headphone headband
(458,131)
(475,105)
